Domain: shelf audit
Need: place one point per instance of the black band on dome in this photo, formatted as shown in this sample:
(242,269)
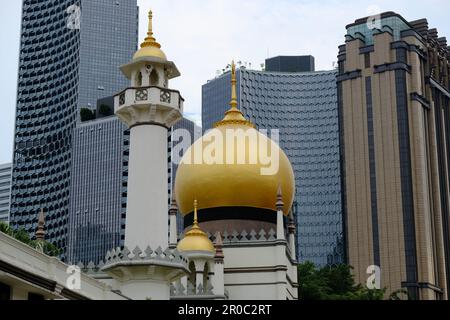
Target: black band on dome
(232,213)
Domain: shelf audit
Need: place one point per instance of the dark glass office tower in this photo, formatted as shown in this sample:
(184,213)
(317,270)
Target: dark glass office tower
(303,106)
(98,191)
(63,66)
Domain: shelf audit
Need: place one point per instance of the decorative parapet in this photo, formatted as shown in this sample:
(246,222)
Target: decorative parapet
(137,255)
(244,236)
(145,105)
(180,292)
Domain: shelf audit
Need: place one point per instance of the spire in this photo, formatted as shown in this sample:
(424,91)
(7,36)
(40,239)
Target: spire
(40,232)
(195,225)
(279,204)
(150,41)
(234,115)
(291,223)
(218,245)
(233,102)
(173,205)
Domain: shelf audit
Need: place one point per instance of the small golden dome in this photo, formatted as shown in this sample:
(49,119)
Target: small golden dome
(150,48)
(235,184)
(195,239)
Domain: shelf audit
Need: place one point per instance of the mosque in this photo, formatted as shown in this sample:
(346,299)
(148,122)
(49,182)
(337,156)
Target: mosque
(239,232)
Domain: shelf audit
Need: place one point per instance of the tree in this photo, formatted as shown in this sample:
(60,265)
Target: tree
(332,283)
(21,235)
(86,114)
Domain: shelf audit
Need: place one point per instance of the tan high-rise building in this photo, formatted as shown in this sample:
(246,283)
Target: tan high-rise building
(394,95)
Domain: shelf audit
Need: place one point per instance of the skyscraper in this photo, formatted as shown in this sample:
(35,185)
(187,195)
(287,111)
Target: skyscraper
(195,132)
(394,95)
(69,56)
(98,189)
(303,106)
(5,186)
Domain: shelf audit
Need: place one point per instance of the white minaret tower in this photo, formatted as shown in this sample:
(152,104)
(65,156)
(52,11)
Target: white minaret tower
(149,108)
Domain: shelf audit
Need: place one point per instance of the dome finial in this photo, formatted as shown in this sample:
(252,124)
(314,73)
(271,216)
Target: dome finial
(234,115)
(233,102)
(195,214)
(150,41)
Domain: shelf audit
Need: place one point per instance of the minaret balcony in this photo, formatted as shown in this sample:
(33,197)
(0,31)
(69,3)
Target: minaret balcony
(153,104)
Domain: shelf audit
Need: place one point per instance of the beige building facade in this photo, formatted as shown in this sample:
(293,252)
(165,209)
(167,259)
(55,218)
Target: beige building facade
(393,98)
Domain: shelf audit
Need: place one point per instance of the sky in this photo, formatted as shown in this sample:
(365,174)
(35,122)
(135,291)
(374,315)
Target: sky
(203,36)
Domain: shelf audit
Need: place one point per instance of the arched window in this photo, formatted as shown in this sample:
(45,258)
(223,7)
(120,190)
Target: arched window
(154,78)
(139,79)
(206,276)
(192,275)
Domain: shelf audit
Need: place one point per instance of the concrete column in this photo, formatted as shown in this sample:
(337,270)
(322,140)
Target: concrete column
(199,269)
(279,205)
(291,230)
(173,232)
(147,188)
(218,279)
(280,226)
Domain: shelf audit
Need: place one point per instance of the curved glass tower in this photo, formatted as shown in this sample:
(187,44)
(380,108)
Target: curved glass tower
(58,53)
(303,106)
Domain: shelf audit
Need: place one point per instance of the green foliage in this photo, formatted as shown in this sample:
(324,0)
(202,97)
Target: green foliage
(105,110)
(332,283)
(86,114)
(21,235)
(401,294)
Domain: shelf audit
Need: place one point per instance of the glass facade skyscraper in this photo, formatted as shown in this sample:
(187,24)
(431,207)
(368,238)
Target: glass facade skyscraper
(195,132)
(64,65)
(303,106)
(5,186)
(98,189)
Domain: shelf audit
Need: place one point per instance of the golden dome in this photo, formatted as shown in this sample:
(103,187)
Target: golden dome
(231,183)
(150,48)
(195,239)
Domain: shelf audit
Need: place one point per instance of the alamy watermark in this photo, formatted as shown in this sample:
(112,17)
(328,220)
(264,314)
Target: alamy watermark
(229,147)
(73,21)
(73,281)
(374,279)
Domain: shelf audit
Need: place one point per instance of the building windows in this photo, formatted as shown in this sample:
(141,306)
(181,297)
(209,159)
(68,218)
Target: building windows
(367,60)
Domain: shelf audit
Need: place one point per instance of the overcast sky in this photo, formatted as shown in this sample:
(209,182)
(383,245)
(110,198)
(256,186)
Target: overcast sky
(202,36)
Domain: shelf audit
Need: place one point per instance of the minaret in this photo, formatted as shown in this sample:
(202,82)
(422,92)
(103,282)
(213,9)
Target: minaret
(173,233)
(219,278)
(196,246)
(146,266)
(279,206)
(40,230)
(291,231)
(149,109)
